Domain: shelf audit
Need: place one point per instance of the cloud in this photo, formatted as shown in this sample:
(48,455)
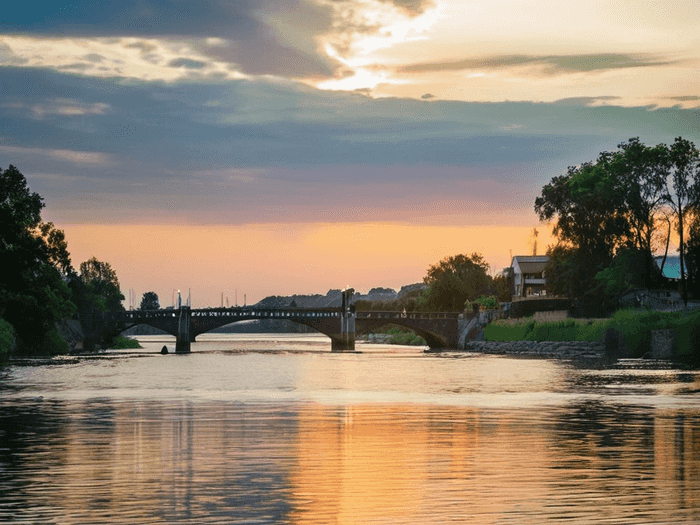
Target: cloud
(187,63)
(65,107)
(256,36)
(73,157)
(551,64)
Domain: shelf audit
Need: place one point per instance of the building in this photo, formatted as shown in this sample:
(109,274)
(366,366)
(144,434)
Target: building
(528,275)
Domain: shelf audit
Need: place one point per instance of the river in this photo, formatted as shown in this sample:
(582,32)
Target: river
(276,429)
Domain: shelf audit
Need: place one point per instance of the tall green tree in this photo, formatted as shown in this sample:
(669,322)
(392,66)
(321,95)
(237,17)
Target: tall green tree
(150,301)
(456,279)
(34,261)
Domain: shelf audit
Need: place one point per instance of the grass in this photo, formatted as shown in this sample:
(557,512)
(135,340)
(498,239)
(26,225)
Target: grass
(635,325)
(529,330)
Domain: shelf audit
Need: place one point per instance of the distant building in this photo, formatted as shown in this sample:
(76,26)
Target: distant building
(528,275)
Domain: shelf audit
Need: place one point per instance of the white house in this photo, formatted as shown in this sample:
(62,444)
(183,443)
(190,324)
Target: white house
(528,275)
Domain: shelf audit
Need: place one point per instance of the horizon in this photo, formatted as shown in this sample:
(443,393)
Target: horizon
(311,145)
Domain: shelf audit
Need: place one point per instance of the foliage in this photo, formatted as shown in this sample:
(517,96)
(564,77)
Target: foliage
(693,255)
(603,211)
(456,279)
(7,338)
(411,302)
(120,342)
(485,302)
(529,330)
(33,256)
(683,195)
(99,299)
(502,287)
(150,301)
(626,272)
(636,327)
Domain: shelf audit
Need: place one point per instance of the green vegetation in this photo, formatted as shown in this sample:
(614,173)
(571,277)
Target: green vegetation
(484,302)
(634,325)
(529,330)
(612,215)
(38,285)
(400,336)
(449,285)
(120,342)
(7,337)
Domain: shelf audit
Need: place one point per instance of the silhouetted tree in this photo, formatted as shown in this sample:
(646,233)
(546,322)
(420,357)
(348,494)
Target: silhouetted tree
(683,194)
(150,301)
(33,255)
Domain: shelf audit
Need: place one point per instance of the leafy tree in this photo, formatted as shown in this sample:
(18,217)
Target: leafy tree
(33,255)
(149,301)
(456,279)
(502,287)
(99,299)
(683,192)
(693,255)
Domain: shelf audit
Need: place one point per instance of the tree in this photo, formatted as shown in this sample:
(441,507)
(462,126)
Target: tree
(99,299)
(33,294)
(149,301)
(683,193)
(456,279)
(693,254)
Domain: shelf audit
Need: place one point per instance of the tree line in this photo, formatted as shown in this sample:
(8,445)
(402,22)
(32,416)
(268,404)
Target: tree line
(611,216)
(451,285)
(39,287)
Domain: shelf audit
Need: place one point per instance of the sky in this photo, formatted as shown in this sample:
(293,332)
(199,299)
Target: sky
(253,148)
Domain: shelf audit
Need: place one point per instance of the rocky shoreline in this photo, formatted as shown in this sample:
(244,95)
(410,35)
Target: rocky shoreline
(542,349)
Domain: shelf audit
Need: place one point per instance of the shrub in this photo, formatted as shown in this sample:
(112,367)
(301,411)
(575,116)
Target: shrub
(120,342)
(7,338)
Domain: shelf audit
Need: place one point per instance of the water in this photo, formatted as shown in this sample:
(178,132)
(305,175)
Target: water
(278,430)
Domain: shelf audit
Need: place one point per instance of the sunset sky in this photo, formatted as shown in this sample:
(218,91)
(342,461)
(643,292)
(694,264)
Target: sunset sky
(292,146)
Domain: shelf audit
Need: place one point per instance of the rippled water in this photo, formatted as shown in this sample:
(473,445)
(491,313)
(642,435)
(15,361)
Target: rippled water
(282,431)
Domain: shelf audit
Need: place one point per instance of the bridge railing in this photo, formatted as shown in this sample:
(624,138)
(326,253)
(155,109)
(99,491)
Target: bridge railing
(371,314)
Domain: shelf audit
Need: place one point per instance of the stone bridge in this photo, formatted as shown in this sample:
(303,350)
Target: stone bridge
(440,329)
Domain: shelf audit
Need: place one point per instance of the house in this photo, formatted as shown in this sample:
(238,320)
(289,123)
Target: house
(528,275)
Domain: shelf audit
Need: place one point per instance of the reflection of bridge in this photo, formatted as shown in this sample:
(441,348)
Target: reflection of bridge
(440,330)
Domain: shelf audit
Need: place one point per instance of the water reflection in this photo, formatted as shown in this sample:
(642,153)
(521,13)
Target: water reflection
(229,437)
(165,462)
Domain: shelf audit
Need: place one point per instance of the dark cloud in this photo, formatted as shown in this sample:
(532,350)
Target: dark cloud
(427,96)
(94,57)
(251,38)
(583,101)
(414,7)
(245,151)
(554,64)
(7,57)
(685,98)
(187,63)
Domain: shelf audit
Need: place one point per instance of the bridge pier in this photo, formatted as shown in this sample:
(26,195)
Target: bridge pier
(345,340)
(182,339)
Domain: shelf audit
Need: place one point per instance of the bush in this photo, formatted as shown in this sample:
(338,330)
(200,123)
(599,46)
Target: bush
(7,338)
(120,343)
(485,302)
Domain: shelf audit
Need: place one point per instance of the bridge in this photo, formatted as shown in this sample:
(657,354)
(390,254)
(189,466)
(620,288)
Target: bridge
(439,329)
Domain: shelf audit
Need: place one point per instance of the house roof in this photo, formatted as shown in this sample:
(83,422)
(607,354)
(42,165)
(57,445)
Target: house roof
(530,263)
(672,267)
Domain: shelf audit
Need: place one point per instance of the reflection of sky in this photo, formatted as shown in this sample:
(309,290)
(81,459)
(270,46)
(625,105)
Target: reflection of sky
(298,112)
